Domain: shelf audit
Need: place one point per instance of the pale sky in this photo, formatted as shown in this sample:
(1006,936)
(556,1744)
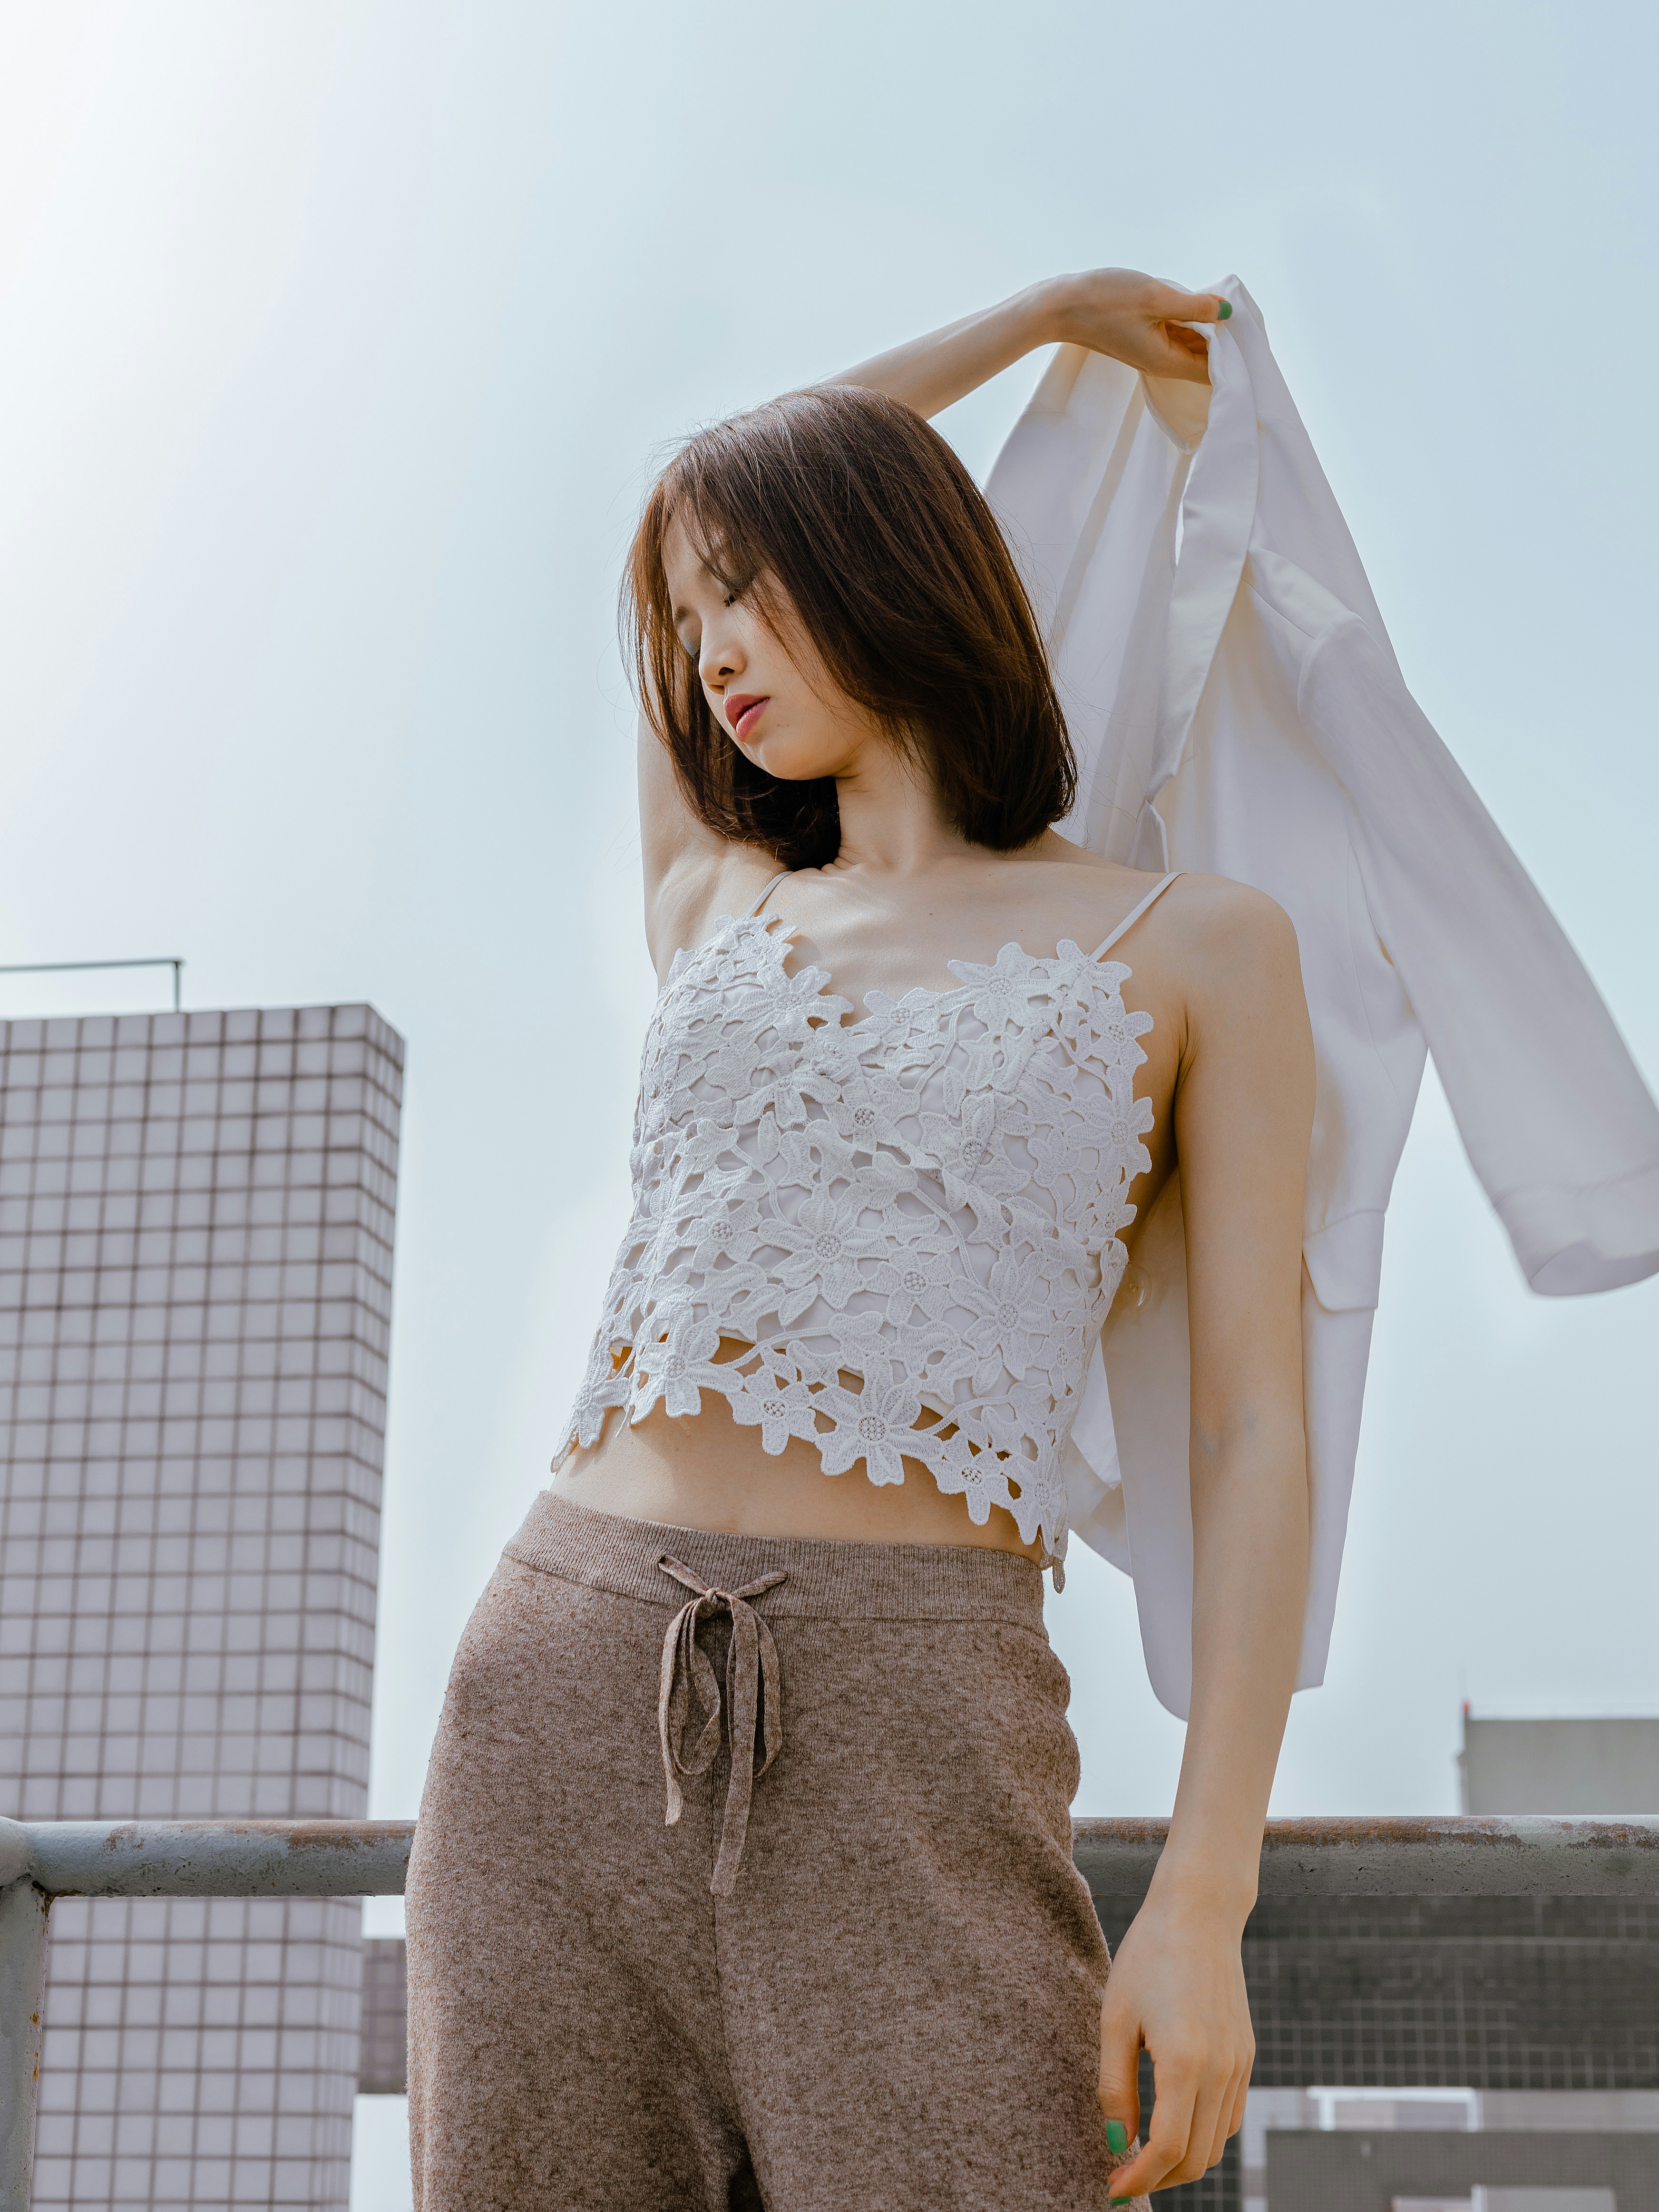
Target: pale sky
(335,338)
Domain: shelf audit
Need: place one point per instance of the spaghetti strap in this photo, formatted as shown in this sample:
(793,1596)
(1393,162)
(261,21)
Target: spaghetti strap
(778,878)
(1131,918)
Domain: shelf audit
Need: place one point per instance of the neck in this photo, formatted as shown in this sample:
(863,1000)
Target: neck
(890,822)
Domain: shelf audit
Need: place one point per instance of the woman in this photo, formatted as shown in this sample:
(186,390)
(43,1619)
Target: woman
(898,1127)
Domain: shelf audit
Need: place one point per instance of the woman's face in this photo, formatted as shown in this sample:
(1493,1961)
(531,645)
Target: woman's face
(781,705)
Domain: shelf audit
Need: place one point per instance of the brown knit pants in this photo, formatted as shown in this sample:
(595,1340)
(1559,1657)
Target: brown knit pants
(859,1973)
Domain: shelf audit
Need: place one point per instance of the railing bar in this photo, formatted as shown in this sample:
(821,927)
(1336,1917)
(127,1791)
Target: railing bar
(1463,1857)
(68,966)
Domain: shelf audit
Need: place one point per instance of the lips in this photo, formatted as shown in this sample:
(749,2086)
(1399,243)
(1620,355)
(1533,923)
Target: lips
(743,710)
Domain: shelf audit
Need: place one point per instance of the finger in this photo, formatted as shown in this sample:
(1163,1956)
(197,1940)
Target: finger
(1225,2118)
(1177,354)
(1120,2075)
(1166,2138)
(1207,2132)
(1232,2110)
(1180,339)
(1174,305)
(1219,2128)
(1239,2097)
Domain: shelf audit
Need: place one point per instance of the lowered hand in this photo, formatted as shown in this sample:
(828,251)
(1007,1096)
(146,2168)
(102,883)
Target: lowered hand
(1177,1987)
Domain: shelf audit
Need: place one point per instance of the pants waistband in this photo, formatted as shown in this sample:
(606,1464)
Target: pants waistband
(827,1579)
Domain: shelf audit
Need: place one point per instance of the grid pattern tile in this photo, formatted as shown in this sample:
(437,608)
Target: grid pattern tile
(196,1220)
(382,2068)
(197,2051)
(1477,1992)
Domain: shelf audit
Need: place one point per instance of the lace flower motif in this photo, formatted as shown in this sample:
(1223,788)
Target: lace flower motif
(781,1409)
(877,1425)
(826,1242)
(868,1109)
(1013,1319)
(706,1236)
(679,1367)
(966,1153)
(913,1284)
(1001,993)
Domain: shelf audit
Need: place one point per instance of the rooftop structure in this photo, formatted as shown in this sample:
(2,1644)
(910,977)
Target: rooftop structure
(196,1226)
(1590,1766)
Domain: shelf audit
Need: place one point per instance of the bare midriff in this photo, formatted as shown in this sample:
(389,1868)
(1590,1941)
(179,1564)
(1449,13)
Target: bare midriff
(704,1471)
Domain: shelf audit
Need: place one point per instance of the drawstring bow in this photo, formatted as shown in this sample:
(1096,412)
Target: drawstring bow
(752,1697)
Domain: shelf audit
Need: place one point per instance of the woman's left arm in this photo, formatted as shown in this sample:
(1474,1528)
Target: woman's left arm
(1134,317)
(1243,1115)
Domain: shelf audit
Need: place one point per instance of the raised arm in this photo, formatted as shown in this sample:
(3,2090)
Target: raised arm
(1134,317)
(1243,1115)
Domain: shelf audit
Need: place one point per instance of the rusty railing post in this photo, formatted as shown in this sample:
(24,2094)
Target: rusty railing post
(23,1911)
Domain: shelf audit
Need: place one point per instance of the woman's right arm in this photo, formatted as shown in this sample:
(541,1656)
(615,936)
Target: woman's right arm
(690,872)
(1134,317)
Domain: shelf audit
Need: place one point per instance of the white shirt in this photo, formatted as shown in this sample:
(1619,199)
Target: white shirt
(1238,710)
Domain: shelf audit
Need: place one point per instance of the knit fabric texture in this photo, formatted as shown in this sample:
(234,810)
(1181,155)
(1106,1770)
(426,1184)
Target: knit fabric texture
(898,2002)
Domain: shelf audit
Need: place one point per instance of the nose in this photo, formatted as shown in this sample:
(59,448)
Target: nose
(719,660)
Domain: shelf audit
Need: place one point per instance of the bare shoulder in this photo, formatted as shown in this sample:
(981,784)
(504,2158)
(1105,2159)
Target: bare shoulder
(1227,927)
(1206,926)
(1234,951)
(1081,895)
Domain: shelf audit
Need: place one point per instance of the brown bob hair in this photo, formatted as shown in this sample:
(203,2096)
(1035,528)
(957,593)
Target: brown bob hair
(848,506)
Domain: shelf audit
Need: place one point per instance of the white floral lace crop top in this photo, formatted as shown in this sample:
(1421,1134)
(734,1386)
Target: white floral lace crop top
(895,1237)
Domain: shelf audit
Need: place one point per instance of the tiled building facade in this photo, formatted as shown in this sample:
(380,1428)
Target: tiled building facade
(196,1226)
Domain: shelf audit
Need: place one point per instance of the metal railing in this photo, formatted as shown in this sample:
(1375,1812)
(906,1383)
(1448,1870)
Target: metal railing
(1461,1855)
(80,967)
(40,1860)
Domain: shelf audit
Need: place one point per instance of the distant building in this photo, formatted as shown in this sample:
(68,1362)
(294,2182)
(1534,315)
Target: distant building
(1591,1766)
(1467,2054)
(195,1224)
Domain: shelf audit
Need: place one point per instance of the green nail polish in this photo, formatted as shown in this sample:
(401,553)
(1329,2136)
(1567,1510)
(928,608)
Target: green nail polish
(1121,2200)
(1117,2140)
(1226,310)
